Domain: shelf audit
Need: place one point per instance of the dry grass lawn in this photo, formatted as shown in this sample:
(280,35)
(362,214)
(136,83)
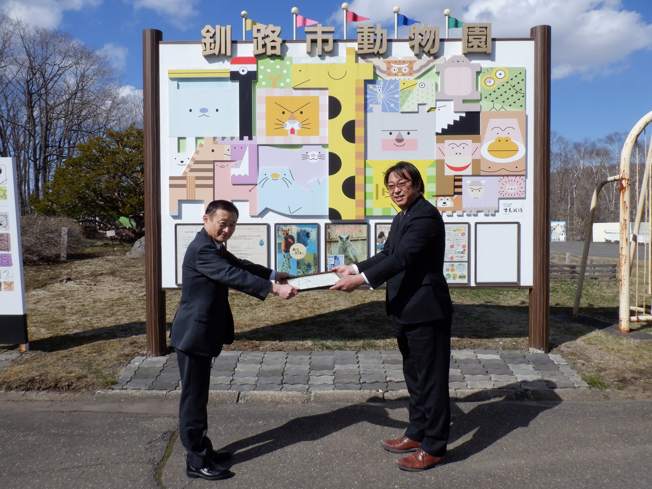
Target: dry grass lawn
(86,323)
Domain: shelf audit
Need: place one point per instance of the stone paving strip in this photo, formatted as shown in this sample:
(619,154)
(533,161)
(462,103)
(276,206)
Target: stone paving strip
(317,371)
(6,358)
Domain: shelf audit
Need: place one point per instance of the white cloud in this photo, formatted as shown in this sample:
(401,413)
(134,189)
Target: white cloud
(116,55)
(177,12)
(130,91)
(589,37)
(42,13)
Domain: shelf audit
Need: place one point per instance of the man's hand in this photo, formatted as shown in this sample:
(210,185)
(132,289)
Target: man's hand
(282,277)
(348,283)
(344,270)
(284,291)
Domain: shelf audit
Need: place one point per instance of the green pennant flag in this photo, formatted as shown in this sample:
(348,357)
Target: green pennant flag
(453,23)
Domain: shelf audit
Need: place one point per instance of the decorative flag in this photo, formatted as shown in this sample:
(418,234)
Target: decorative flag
(403,20)
(453,23)
(353,17)
(303,21)
(249,24)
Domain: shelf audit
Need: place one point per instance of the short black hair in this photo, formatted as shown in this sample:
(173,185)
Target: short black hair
(224,205)
(408,171)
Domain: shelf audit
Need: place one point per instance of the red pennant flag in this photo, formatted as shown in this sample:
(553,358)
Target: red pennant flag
(353,17)
(303,21)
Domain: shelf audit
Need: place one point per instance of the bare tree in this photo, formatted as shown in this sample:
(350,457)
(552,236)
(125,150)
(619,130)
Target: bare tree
(54,94)
(576,169)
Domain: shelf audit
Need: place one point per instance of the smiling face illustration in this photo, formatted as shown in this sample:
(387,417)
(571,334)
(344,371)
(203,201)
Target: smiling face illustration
(400,140)
(459,153)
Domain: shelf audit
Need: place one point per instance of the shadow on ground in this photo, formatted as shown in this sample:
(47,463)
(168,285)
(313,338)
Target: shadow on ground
(73,340)
(475,424)
(369,322)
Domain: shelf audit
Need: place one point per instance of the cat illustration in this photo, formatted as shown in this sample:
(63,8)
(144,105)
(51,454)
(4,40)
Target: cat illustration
(313,153)
(346,248)
(292,125)
(306,236)
(306,165)
(286,266)
(279,192)
(288,241)
(292,114)
(380,240)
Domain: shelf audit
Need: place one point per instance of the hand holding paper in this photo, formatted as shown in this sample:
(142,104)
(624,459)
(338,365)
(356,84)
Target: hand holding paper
(349,283)
(284,291)
(282,277)
(344,270)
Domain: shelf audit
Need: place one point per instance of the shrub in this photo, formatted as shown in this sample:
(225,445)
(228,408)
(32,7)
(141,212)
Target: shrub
(41,238)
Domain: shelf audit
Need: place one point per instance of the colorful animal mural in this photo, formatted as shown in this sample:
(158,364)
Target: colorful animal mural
(313,136)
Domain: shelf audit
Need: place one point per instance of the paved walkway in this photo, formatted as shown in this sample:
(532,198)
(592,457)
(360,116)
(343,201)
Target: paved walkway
(309,372)
(6,358)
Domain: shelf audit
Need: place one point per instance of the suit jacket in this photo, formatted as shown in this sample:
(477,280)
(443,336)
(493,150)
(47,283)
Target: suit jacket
(204,322)
(412,264)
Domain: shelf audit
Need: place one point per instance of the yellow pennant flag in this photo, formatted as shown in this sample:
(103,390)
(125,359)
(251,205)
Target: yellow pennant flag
(249,24)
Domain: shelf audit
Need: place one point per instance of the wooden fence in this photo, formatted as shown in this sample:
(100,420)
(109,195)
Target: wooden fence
(595,271)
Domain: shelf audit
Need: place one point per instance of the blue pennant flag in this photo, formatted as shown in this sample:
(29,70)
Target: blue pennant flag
(403,20)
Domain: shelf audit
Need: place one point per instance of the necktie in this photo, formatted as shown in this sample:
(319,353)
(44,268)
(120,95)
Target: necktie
(222,251)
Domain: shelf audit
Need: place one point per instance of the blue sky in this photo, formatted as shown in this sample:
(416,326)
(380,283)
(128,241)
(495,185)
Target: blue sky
(602,50)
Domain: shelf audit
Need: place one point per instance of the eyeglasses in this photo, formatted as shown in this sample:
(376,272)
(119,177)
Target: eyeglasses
(400,185)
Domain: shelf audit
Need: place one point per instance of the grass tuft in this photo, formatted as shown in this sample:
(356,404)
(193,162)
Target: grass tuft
(595,380)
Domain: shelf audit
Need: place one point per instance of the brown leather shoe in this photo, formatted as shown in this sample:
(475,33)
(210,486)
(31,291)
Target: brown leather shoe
(418,461)
(402,445)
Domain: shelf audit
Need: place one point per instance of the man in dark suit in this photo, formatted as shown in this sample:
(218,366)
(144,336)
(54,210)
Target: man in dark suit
(204,323)
(412,263)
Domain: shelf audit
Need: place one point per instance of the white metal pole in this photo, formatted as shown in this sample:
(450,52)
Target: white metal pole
(396,11)
(244,14)
(295,11)
(345,8)
(447,14)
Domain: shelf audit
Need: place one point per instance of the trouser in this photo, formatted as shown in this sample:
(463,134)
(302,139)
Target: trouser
(426,359)
(195,373)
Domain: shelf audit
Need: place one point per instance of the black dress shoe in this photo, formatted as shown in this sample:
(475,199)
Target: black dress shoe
(213,472)
(221,456)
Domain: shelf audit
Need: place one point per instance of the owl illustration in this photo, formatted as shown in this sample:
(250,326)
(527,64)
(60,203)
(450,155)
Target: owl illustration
(408,67)
(346,248)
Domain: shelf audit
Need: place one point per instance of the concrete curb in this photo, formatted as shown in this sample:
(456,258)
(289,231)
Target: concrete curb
(263,397)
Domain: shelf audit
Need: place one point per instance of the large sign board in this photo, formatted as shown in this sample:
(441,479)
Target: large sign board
(302,139)
(13,322)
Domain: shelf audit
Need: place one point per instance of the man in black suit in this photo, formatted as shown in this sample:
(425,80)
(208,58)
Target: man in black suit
(412,263)
(204,323)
